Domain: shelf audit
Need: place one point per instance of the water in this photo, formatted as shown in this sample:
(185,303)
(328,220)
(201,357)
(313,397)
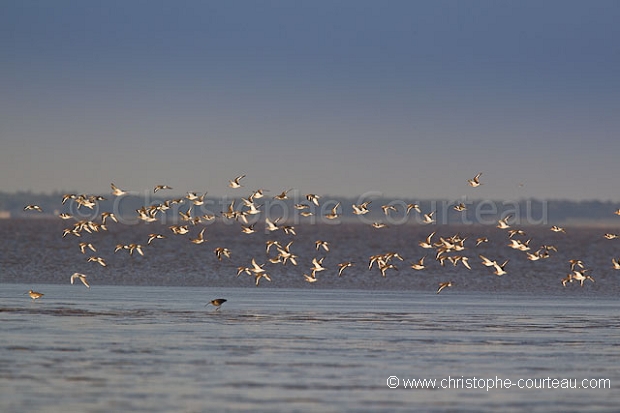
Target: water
(141,339)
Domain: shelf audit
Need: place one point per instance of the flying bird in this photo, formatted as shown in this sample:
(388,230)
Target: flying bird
(81,277)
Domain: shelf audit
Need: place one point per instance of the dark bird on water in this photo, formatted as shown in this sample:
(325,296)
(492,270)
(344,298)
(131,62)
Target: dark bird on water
(216,303)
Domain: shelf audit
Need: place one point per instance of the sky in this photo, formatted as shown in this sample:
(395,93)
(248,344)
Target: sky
(408,99)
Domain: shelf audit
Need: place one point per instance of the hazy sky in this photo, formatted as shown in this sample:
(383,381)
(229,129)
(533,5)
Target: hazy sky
(407,98)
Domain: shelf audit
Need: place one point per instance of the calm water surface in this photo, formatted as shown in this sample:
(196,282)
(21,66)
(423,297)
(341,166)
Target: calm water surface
(159,349)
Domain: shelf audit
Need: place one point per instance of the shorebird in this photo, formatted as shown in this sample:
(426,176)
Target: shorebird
(257,277)
(428,218)
(33,208)
(283,195)
(200,238)
(486,262)
(616,264)
(34,295)
(567,279)
(535,256)
(116,191)
(82,277)
(217,303)
(513,232)
(179,229)
(415,207)
(259,193)
(67,197)
(271,225)
(574,263)
(271,243)
(580,276)
(98,260)
(235,182)
(219,251)
(84,245)
(106,215)
(499,269)
(419,265)
(460,207)
(309,278)
(427,243)
(333,214)
(555,228)
(387,208)
(134,247)
(313,198)
(243,269)
(252,207)
(481,240)
(257,269)
(248,229)
(65,216)
(317,266)
(289,229)
(519,245)
(460,258)
(386,267)
(611,236)
(503,222)
(443,285)
(321,244)
(361,209)
(378,225)
(617,212)
(344,265)
(160,187)
(153,237)
(475,181)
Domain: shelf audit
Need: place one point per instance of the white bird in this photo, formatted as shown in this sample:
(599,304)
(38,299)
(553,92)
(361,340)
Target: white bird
(33,208)
(344,265)
(160,187)
(200,238)
(81,277)
(271,225)
(475,181)
(427,243)
(419,265)
(98,260)
(235,182)
(486,262)
(313,198)
(428,218)
(322,244)
(414,206)
(309,278)
(361,209)
(84,245)
(317,266)
(257,269)
(616,264)
(499,269)
(503,222)
(283,195)
(443,285)
(116,191)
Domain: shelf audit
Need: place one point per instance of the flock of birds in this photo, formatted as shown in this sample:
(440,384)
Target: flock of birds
(444,249)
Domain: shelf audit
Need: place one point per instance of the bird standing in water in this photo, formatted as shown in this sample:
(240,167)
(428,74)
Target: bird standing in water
(217,303)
